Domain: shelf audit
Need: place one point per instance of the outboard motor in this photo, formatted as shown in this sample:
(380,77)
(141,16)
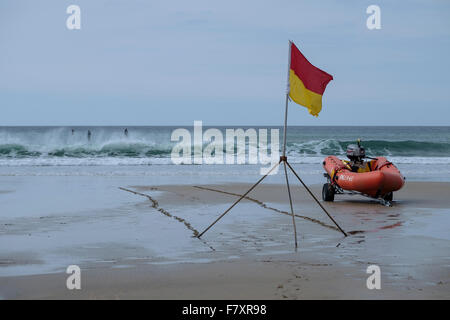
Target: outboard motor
(356,153)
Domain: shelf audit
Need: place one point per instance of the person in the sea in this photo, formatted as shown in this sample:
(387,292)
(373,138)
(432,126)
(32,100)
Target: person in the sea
(89,135)
(73,131)
(126,132)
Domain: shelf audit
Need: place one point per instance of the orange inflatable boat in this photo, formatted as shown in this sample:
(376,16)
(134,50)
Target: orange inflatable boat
(377,178)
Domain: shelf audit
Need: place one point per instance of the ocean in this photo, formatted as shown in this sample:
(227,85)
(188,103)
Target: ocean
(422,153)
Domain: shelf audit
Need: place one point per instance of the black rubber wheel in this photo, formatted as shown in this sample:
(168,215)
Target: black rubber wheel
(389,196)
(328,192)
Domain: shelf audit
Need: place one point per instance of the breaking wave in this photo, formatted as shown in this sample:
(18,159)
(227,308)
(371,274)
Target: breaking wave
(151,145)
(406,148)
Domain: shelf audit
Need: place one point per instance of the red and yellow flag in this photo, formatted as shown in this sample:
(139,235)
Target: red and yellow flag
(307,83)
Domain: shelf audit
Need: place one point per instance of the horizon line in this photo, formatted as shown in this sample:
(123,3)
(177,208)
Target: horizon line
(217,125)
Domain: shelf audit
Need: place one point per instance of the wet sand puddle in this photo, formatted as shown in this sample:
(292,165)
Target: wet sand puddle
(265,206)
(359,233)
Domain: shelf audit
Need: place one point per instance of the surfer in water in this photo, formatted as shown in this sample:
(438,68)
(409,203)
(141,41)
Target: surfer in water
(73,131)
(126,132)
(89,135)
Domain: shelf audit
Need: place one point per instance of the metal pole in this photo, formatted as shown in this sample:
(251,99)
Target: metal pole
(287,101)
(242,197)
(290,202)
(285,125)
(314,197)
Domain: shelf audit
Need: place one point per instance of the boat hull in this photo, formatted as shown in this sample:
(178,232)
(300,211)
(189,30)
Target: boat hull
(380,181)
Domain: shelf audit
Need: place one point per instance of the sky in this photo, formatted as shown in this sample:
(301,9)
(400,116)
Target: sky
(136,62)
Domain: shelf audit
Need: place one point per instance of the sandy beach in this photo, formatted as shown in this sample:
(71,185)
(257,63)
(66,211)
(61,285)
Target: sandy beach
(249,254)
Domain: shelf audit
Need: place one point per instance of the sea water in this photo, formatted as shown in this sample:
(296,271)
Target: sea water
(421,153)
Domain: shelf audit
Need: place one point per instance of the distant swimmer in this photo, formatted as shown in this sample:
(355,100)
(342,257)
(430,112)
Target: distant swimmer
(89,135)
(126,132)
(73,131)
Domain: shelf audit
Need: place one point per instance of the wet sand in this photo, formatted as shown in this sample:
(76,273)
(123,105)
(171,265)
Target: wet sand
(249,254)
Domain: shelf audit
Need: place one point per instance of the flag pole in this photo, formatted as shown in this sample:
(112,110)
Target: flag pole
(287,102)
(286,164)
(284,157)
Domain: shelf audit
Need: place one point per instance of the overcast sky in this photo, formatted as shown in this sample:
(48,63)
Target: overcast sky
(224,62)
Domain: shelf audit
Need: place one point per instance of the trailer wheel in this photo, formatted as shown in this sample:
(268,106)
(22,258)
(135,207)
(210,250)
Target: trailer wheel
(328,192)
(389,196)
